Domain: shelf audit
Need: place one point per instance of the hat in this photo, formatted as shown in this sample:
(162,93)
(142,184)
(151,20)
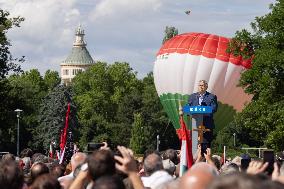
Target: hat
(169,166)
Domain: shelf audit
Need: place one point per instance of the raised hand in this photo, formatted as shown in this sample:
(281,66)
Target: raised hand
(256,167)
(126,163)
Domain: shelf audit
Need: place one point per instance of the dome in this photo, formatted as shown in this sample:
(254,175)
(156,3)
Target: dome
(78,56)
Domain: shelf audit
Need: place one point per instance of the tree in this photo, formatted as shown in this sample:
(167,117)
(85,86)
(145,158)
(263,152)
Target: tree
(52,115)
(225,137)
(7,62)
(26,92)
(7,65)
(99,93)
(51,79)
(170,32)
(139,135)
(263,118)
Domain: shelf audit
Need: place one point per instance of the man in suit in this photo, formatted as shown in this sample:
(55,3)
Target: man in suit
(204,98)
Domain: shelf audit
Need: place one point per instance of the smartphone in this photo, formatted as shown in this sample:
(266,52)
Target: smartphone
(94,146)
(204,146)
(268,156)
(84,167)
(245,163)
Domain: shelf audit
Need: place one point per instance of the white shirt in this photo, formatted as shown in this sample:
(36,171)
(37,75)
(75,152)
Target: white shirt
(156,179)
(201,97)
(69,176)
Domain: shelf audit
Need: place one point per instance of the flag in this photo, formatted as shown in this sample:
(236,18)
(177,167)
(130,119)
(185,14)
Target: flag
(62,156)
(63,136)
(186,159)
(57,155)
(50,150)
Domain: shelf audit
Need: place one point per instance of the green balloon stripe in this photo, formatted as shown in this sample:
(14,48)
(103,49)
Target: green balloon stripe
(168,109)
(171,110)
(170,102)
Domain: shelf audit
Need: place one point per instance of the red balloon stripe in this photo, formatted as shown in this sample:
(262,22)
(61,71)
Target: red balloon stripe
(207,45)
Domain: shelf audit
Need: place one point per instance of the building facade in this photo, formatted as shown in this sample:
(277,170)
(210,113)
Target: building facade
(78,60)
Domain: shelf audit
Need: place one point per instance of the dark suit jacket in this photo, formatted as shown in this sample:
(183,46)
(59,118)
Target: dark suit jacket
(208,100)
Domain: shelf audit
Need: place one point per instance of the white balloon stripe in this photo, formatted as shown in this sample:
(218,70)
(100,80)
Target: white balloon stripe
(157,76)
(174,64)
(179,71)
(189,73)
(203,71)
(217,76)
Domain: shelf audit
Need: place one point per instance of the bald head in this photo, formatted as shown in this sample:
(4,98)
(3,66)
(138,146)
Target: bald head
(199,176)
(78,159)
(153,163)
(38,169)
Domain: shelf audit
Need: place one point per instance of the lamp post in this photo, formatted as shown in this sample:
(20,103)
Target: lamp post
(18,111)
(234,134)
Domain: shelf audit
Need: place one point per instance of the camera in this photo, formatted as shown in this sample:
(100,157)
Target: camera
(204,146)
(94,146)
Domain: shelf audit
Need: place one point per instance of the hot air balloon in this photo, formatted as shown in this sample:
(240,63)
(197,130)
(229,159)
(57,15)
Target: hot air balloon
(187,58)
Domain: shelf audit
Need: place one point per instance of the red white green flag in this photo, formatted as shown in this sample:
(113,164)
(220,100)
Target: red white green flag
(186,159)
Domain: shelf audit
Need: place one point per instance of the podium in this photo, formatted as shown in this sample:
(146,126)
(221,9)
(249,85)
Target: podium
(196,114)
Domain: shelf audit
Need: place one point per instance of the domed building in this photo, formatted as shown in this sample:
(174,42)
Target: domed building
(79,60)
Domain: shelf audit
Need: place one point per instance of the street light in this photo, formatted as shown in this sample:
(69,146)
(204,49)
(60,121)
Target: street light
(18,111)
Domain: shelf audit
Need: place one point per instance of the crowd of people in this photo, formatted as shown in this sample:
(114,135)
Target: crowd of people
(120,169)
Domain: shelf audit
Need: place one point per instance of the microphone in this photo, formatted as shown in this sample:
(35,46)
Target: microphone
(203,104)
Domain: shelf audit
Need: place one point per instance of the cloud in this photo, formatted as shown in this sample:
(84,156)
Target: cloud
(49,25)
(112,9)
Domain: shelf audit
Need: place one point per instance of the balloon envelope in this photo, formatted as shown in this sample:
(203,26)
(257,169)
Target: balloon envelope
(187,58)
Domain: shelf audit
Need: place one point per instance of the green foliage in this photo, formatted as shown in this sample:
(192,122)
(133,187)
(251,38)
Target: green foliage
(225,137)
(28,90)
(139,135)
(25,91)
(170,32)
(101,93)
(263,118)
(7,65)
(51,79)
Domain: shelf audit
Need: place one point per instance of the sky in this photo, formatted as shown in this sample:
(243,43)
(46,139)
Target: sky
(118,30)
